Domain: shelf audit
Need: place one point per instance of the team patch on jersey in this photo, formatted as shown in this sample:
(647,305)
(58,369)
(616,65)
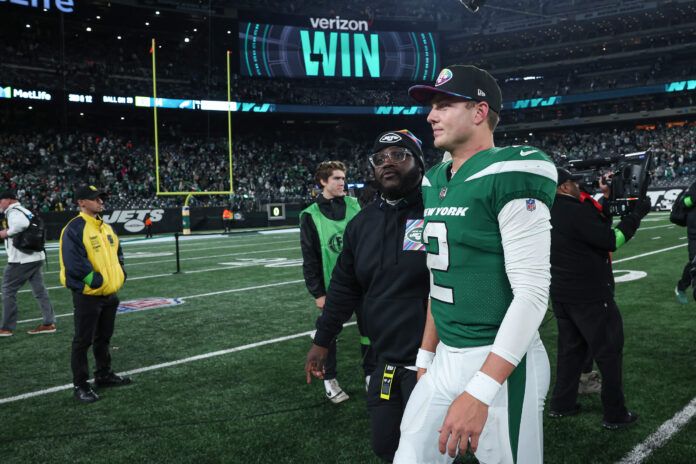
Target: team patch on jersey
(531,204)
(451,211)
(143,304)
(413,237)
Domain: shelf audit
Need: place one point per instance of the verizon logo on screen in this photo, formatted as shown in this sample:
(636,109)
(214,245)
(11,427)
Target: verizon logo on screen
(339,24)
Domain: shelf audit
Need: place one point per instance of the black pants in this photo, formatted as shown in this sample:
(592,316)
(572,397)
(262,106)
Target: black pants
(596,327)
(148,231)
(685,281)
(330,363)
(94,326)
(385,415)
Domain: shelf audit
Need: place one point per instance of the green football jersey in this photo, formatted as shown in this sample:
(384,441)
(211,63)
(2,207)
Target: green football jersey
(469,288)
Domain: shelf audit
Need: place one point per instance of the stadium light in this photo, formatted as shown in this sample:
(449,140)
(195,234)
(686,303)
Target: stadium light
(123,118)
(147,23)
(88,29)
(28,26)
(229,32)
(472,5)
(82,114)
(31,107)
(187,40)
(195,30)
(118,37)
(98,17)
(157,13)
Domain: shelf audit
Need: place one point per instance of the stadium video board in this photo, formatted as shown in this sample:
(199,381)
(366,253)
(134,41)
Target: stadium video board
(336,48)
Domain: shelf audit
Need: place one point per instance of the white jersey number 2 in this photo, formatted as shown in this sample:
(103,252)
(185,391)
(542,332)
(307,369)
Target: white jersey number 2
(439,261)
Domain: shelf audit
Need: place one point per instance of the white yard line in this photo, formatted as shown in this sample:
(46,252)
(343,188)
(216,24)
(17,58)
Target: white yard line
(649,253)
(172,260)
(234,290)
(656,227)
(661,436)
(154,367)
(155,276)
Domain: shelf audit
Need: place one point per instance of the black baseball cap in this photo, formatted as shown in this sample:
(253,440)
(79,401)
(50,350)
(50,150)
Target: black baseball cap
(89,192)
(400,138)
(8,195)
(461,81)
(565,175)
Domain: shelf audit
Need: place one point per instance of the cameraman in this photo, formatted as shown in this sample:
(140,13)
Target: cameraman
(582,293)
(688,203)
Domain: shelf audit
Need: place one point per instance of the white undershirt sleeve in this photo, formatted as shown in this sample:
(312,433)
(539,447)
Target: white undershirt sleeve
(526,237)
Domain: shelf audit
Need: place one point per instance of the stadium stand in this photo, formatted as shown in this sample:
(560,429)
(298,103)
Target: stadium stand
(271,169)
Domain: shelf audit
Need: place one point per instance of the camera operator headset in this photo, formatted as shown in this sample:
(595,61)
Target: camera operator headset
(582,293)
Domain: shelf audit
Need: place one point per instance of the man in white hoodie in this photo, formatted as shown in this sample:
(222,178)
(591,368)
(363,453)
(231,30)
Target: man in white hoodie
(21,267)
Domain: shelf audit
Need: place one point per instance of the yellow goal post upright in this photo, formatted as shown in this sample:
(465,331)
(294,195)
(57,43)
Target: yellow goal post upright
(185,212)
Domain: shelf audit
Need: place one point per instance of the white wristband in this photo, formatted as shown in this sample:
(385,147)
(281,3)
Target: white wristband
(424,358)
(483,388)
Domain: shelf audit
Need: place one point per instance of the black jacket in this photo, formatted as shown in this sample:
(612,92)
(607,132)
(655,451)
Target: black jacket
(691,214)
(312,268)
(392,284)
(581,240)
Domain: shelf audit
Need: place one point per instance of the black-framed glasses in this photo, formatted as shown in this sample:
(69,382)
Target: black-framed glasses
(398,155)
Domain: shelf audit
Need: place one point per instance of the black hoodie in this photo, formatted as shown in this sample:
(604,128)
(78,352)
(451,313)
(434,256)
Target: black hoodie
(391,284)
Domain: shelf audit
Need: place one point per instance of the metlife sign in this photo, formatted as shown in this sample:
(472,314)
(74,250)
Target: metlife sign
(65,6)
(9,92)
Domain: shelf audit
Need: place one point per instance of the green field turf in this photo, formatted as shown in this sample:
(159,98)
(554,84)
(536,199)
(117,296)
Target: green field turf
(252,405)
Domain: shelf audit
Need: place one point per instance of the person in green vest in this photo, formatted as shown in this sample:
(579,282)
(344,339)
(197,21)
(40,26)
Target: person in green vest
(321,238)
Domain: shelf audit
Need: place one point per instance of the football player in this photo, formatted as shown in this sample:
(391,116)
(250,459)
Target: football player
(484,371)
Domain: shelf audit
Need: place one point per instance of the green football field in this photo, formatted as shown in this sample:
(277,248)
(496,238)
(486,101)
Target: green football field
(219,376)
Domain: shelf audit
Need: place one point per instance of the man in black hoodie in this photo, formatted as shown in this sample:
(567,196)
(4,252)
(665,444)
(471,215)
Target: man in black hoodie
(382,269)
(582,292)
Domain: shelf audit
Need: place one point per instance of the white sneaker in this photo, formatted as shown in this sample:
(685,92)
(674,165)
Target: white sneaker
(367,382)
(334,392)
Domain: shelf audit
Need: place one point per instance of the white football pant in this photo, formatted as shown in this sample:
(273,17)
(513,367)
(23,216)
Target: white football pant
(513,432)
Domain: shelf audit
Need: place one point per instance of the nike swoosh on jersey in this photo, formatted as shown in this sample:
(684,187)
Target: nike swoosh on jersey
(528,152)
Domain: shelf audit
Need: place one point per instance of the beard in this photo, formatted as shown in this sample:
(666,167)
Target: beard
(407,183)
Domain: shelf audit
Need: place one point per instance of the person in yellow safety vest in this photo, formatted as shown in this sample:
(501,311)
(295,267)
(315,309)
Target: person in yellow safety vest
(226,220)
(91,265)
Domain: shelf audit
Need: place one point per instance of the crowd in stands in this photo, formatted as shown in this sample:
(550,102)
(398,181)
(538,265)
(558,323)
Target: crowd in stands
(46,168)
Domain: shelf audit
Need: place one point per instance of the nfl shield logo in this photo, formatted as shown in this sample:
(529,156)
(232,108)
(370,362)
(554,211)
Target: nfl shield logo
(443,193)
(531,204)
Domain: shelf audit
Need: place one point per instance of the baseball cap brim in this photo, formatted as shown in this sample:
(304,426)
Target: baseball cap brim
(424,94)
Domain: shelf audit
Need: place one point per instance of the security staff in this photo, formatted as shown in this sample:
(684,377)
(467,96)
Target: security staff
(582,292)
(91,265)
(382,266)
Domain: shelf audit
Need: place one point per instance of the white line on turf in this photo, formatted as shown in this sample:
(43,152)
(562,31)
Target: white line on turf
(234,290)
(199,357)
(649,253)
(661,435)
(156,276)
(173,258)
(656,227)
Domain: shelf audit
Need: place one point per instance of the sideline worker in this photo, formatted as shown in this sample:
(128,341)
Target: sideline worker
(91,265)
